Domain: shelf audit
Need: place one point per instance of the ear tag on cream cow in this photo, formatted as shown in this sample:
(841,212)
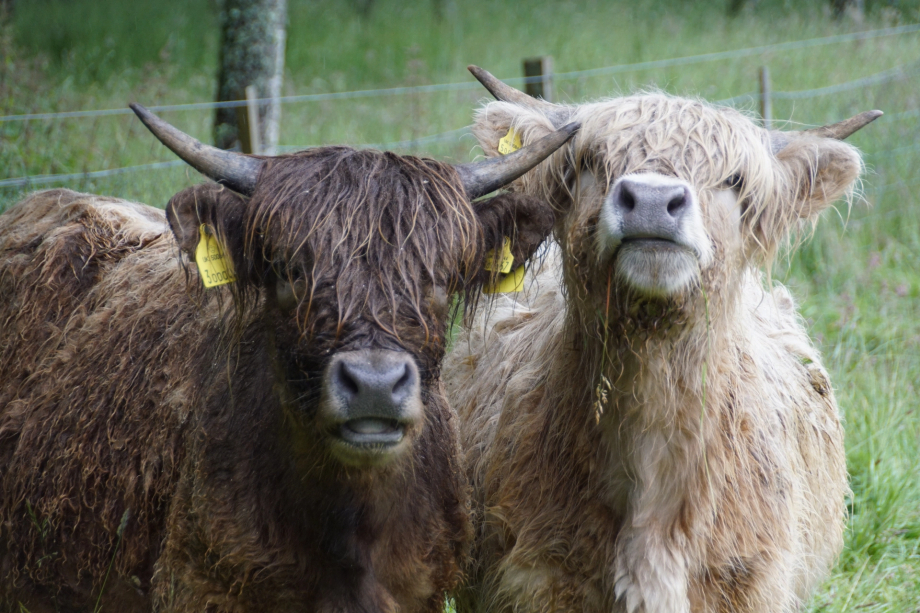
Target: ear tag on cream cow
(508,284)
(509,143)
(214,267)
(504,263)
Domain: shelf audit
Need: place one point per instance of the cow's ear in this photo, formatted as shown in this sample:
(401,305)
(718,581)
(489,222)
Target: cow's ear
(822,171)
(522,222)
(815,173)
(213,205)
(494,122)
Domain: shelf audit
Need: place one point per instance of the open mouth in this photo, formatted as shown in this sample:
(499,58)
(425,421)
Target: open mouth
(371,432)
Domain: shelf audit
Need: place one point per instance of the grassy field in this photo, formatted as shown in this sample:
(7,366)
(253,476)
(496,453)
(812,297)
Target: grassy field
(857,279)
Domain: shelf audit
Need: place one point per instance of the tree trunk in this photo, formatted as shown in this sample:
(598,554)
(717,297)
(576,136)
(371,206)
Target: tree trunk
(855,8)
(736,6)
(251,53)
(6,10)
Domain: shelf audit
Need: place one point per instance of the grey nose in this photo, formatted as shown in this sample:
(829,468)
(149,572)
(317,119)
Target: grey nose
(374,384)
(650,210)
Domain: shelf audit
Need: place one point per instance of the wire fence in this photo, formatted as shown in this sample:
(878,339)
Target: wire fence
(563,76)
(22,126)
(894,74)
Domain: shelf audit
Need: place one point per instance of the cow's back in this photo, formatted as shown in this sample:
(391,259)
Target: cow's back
(95,324)
(55,246)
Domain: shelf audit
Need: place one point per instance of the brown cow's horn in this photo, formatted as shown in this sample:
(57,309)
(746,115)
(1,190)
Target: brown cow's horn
(845,128)
(480,178)
(506,93)
(838,131)
(237,171)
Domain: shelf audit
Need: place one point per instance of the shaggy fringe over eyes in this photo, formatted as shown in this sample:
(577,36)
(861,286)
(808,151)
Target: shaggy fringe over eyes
(371,232)
(683,137)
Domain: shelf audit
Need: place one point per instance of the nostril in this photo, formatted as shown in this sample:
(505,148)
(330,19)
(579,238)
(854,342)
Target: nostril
(404,382)
(627,199)
(346,380)
(675,205)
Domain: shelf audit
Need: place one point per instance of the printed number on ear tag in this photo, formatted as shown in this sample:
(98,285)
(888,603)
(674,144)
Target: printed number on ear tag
(510,142)
(215,269)
(507,284)
(504,263)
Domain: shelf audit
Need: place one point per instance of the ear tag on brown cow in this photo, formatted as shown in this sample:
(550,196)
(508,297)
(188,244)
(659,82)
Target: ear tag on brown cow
(501,263)
(509,143)
(214,267)
(508,284)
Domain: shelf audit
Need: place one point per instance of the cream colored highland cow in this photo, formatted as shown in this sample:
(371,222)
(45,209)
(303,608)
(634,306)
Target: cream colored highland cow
(648,427)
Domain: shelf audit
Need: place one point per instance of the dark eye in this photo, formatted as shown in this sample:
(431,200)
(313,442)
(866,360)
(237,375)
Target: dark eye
(285,271)
(290,285)
(734,182)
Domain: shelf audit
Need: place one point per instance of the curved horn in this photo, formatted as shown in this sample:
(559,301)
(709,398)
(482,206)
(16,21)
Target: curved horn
(237,171)
(480,178)
(838,131)
(845,128)
(506,93)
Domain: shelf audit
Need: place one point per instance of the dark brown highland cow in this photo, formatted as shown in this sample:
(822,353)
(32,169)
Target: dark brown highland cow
(281,443)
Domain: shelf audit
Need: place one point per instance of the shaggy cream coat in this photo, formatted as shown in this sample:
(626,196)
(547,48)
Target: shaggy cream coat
(656,454)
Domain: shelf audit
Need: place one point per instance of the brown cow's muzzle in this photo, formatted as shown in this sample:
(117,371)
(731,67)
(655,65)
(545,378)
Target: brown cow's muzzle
(371,402)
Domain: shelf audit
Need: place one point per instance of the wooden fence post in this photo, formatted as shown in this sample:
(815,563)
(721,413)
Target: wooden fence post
(539,74)
(766,104)
(247,120)
(252,110)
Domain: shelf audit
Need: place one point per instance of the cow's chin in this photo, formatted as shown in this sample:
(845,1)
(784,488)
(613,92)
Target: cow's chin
(656,268)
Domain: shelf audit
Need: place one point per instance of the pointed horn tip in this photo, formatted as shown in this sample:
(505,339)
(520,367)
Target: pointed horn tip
(143,113)
(571,128)
(485,78)
(239,172)
(139,109)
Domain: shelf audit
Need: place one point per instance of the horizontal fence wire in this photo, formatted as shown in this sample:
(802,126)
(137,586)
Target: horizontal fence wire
(399,144)
(559,76)
(96,174)
(891,75)
(100,174)
(897,73)
(737,53)
(894,74)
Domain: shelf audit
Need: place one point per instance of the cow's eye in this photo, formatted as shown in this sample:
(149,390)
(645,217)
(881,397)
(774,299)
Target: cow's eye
(288,271)
(290,286)
(735,182)
(589,161)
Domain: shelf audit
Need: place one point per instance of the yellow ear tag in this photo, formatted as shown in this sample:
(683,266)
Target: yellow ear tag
(214,268)
(504,264)
(510,142)
(510,284)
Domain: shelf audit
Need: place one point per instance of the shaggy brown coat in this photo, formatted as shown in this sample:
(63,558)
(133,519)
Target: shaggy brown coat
(632,452)
(159,442)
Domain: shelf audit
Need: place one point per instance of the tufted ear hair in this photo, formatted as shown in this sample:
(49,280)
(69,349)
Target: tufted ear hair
(524,220)
(493,121)
(815,173)
(217,207)
(492,124)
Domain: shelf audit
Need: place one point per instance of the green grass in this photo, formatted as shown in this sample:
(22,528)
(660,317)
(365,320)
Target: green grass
(857,280)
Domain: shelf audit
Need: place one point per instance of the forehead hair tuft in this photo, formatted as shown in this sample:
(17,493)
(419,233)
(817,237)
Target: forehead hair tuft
(371,232)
